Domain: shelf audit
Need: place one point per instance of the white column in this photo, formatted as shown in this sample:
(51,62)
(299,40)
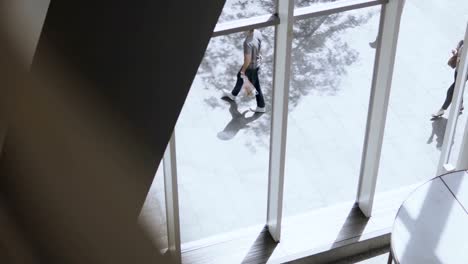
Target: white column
(444,165)
(460,83)
(279,119)
(380,92)
(172,200)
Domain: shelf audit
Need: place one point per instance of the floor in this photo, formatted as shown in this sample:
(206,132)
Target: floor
(223,149)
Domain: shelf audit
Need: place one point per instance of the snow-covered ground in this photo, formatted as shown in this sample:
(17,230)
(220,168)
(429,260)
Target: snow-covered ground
(223,149)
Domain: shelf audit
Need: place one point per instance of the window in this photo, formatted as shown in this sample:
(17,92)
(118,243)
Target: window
(238,9)
(413,140)
(331,77)
(222,147)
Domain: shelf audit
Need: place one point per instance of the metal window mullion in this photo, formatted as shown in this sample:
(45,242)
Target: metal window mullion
(378,103)
(241,25)
(449,135)
(279,119)
(317,10)
(462,162)
(172,200)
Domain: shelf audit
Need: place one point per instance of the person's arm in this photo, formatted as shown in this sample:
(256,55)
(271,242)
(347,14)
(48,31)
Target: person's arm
(456,51)
(247,57)
(247,60)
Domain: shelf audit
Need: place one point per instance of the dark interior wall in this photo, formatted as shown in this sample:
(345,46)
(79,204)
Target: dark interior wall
(141,56)
(71,188)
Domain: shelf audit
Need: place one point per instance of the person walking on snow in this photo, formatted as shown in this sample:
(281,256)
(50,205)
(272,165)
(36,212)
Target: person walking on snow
(249,70)
(453,62)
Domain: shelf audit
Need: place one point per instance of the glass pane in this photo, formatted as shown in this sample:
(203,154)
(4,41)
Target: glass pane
(237,9)
(223,147)
(459,132)
(332,67)
(153,213)
(304,3)
(413,139)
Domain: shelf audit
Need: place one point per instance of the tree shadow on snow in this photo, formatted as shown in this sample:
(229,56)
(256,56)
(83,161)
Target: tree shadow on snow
(320,59)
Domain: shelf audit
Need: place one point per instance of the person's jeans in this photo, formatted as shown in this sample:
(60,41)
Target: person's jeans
(449,97)
(252,74)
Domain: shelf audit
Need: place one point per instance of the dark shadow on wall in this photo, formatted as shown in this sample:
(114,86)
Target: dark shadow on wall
(87,124)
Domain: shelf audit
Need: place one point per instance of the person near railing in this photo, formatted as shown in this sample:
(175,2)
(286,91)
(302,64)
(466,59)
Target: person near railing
(453,62)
